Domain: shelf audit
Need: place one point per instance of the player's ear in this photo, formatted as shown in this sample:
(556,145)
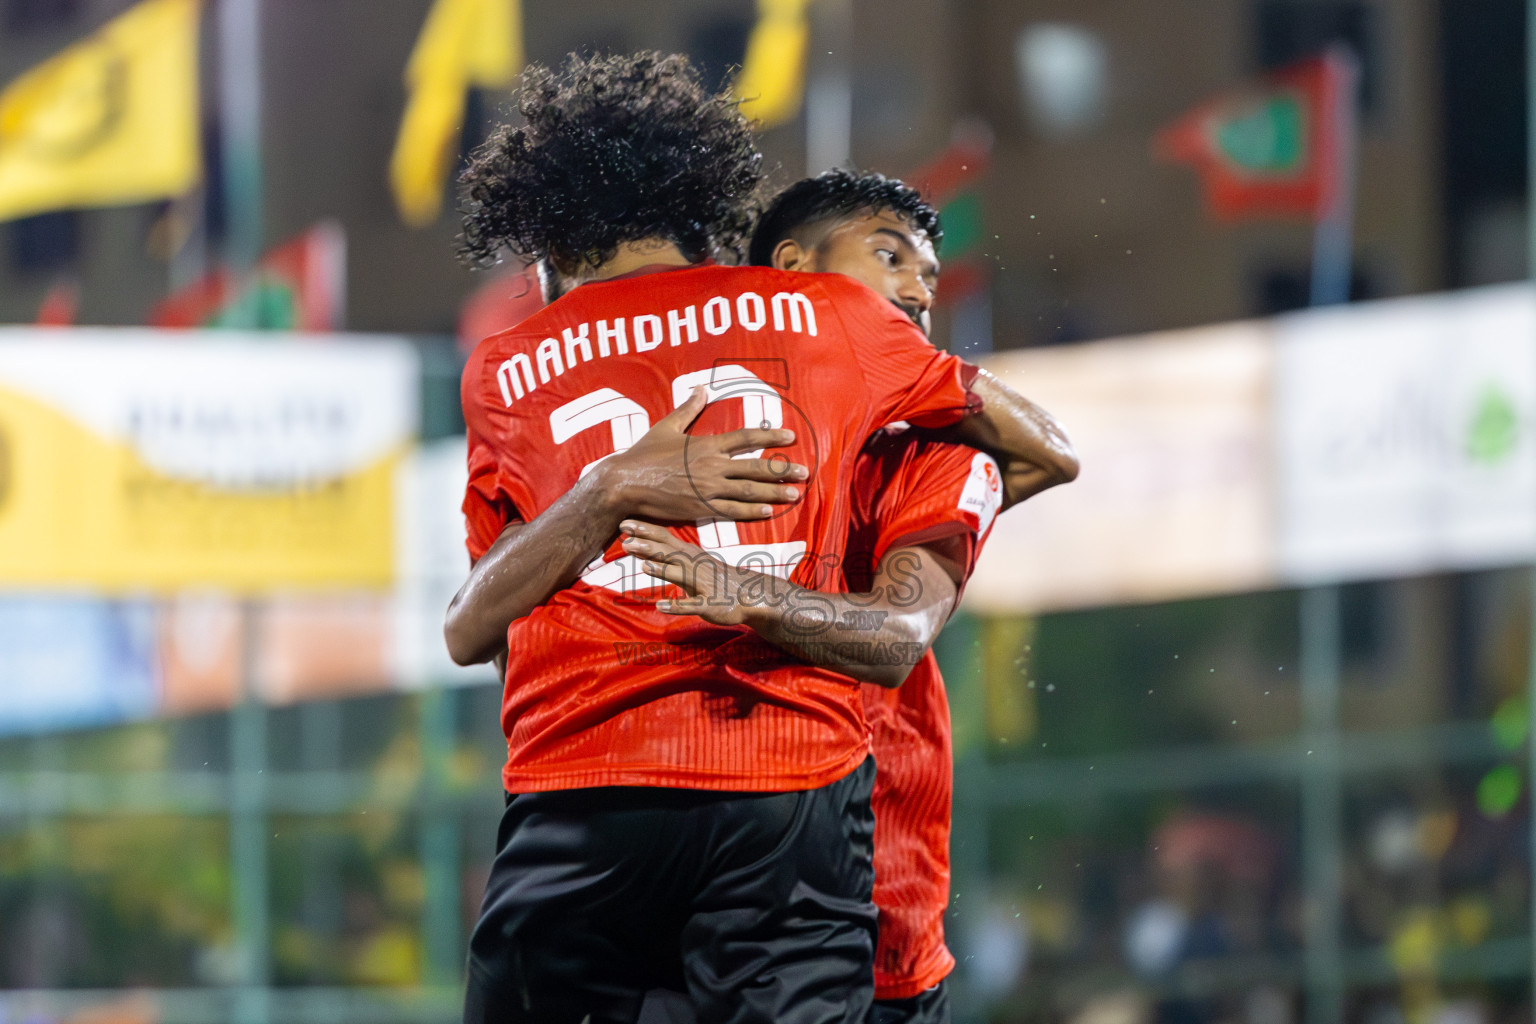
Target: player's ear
(791,255)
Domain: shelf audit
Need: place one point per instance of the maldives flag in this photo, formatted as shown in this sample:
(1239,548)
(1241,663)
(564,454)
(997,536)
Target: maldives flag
(950,183)
(298,286)
(1277,148)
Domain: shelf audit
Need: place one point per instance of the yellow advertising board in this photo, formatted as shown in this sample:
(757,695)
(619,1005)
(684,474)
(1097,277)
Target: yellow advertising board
(134,463)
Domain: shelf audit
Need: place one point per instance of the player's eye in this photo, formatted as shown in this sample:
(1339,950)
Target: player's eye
(887,256)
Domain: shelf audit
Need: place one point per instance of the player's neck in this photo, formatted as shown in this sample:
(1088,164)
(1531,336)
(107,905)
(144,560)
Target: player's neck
(632,256)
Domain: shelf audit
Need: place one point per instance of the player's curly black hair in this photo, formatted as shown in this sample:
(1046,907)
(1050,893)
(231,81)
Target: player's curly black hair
(612,149)
(839,194)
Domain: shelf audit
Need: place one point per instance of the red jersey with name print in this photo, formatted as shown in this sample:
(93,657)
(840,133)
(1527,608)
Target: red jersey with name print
(916,491)
(602,689)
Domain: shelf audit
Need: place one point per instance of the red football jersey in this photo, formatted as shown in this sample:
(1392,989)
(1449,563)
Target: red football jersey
(601,689)
(916,492)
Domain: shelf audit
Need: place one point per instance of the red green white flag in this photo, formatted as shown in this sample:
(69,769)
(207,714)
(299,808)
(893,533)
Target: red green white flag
(1272,149)
(950,182)
(298,286)
(61,305)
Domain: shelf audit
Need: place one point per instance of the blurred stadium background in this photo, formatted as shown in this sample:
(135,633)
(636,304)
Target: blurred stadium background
(1242,717)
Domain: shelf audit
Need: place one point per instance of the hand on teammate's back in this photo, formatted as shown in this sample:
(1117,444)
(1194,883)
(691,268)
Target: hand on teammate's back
(672,476)
(666,476)
(714,590)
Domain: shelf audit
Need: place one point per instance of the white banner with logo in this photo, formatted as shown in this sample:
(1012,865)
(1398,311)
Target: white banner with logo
(1407,436)
(1366,441)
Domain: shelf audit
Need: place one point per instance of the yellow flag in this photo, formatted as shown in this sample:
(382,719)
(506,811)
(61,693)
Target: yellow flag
(111,120)
(464,43)
(772,79)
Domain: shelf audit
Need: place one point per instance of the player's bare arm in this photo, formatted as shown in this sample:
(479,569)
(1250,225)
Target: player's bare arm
(1030,446)
(667,476)
(874,637)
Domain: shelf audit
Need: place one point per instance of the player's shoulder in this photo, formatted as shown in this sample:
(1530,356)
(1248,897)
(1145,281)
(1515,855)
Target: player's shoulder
(537,325)
(484,358)
(475,363)
(914,450)
(748,277)
(940,468)
(906,466)
(925,470)
(494,346)
(924,481)
(928,451)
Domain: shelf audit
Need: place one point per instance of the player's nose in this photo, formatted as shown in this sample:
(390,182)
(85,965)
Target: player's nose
(915,294)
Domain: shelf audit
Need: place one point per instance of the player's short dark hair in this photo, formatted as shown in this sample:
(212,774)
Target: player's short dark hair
(612,149)
(839,194)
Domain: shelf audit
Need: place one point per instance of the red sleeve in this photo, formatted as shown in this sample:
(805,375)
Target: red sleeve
(937,490)
(908,379)
(487,507)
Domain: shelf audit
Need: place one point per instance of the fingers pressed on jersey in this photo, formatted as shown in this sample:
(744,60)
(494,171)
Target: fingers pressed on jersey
(679,551)
(775,470)
(689,607)
(671,551)
(671,573)
(639,548)
(643,530)
(753,490)
(686,413)
(742,511)
(663,553)
(751,438)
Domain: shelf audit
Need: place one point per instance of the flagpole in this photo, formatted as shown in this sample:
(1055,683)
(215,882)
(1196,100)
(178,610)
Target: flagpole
(1530,692)
(240,144)
(1333,238)
(189,261)
(829,91)
(239,26)
(1321,787)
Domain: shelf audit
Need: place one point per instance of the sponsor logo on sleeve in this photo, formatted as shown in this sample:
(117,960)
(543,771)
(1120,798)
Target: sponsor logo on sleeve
(982,495)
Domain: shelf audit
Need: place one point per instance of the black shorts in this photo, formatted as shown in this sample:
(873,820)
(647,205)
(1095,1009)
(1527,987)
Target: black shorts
(930,1006)
(758,905)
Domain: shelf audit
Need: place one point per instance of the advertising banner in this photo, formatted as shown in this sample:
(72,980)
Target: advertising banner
(294,647)
(1174,498)
(185,523)
(129,463)
(71,661)
(433,564)
(1407,436)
